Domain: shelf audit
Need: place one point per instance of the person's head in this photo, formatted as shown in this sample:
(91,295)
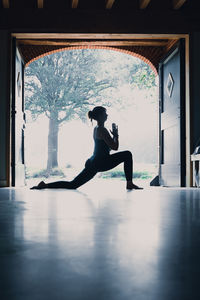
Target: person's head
(98,113)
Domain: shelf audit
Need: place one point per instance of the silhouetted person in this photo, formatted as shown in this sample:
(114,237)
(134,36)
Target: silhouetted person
(101,159)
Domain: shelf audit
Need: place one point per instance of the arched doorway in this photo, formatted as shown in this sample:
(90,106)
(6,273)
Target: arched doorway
(158,57)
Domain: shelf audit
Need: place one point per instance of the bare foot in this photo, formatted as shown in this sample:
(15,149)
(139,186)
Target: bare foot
(40,186)
(132,186)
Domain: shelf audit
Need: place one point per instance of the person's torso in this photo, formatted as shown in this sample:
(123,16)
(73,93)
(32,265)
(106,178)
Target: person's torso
(100,147)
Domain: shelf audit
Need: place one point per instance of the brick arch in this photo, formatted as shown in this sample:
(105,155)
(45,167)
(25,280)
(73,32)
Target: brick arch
(118,49)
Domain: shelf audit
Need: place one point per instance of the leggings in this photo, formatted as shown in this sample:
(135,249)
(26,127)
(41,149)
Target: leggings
(95,165)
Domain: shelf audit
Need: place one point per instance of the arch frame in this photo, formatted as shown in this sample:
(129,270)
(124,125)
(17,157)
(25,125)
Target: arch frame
(109,48)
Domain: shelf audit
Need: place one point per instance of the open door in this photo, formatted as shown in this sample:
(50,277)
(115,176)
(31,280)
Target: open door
(18,119)
(172,118)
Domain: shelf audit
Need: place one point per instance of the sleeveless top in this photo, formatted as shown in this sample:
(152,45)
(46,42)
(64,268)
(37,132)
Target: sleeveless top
(101,149)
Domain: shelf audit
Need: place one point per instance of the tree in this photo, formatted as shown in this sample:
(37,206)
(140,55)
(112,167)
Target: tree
(62,86)
(128,72)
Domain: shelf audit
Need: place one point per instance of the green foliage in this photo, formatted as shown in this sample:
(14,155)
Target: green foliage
(141,174)
(141,76)
(68,166)
(44,174)
(120,174)
(114,174)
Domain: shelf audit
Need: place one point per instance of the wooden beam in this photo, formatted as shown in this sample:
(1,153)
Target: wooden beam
(95,36)
(40,3)
(158,43)
(74,3)
(109,4)
(6,3)
(178,3)
(144,3)
(170,44)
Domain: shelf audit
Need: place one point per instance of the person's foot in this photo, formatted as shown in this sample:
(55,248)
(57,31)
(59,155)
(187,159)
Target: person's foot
(40,186)
(132,186)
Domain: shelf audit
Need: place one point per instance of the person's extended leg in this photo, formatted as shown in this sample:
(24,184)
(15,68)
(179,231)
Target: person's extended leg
(83,177)
(114,160)
(88,173)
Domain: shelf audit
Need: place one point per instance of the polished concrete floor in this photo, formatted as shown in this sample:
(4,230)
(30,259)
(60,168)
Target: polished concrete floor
(100,243)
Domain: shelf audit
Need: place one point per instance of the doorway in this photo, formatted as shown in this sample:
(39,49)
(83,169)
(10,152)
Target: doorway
(173,40)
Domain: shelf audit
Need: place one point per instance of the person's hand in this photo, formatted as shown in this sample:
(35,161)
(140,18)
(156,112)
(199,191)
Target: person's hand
(114,131)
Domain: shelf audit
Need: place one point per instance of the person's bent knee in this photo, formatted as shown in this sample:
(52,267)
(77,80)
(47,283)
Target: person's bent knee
(128,154)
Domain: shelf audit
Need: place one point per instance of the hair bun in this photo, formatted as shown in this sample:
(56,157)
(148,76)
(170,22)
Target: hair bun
(96,112)
(90,114)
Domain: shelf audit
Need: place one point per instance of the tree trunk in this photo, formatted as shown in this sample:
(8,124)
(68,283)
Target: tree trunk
(52,161)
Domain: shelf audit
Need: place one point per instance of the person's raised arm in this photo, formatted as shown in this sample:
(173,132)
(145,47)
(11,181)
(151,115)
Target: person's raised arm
(112,142)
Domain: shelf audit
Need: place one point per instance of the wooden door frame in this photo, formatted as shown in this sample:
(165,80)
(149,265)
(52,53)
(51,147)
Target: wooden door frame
(123,36)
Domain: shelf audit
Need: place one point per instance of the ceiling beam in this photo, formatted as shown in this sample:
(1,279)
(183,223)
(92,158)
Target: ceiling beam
(170,44)
(144,3)
(178,3)
(6,3)
(95,36)
(40,3)
(75,3)
(158,43)
(109,4)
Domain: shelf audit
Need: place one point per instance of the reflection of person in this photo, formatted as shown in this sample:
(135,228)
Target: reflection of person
(101,159)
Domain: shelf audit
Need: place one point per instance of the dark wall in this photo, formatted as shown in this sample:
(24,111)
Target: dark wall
(4,98)
(100,21)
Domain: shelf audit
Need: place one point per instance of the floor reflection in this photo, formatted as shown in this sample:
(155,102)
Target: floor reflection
(100,243)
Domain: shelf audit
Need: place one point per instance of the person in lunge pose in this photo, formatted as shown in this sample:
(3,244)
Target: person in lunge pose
(101,160)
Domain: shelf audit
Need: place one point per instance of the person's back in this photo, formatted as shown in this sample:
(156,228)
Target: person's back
(101,149)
